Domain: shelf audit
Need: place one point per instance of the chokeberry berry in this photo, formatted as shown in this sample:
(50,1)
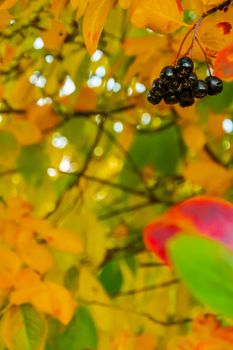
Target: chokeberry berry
(154,99)
(186,103)
(190,81)
(184,66)
(186,95)
(200,89)
(171,97)
(215,85)
(158,88)
(168,75)
(175,84)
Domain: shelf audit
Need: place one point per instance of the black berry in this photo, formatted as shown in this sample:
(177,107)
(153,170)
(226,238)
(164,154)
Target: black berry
(168,75)
(158,88)
(186,103)
(175,84)
(215,85)
(171,97)
(186,95)
(190,81)
(153,99)
(200,89)
(184,66)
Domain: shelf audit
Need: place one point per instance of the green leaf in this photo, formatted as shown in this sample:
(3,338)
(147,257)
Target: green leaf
(206,267)
(23,328)
(33,163)
(221,102)
(111,278)
(161,150)
(9,147)
(81,332)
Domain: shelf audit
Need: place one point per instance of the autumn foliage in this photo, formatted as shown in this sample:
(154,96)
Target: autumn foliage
(116,216)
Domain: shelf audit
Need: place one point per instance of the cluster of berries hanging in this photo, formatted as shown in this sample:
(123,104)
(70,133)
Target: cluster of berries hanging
(181,85)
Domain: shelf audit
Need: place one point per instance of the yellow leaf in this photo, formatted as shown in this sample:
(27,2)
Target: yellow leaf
(63,240)
(55,36)
(124,3)
(48,297)
(9,267)
(90,289)
(55,300)
(211,2)
(22,93)
(194,136)
(80,6)
(57,6)
(201,172)
(93,23)
(216,31)
(43,116)
(87,99)
(24,131)
(33,254)
(26,277)
(160,16)
(7,4)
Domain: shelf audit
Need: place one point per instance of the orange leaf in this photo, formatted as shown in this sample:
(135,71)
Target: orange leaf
(43,116)
(7,4)
(223,67)
(55,36)
(160,16)
(25,132)
(9,267)
(93,23)
(63,240)
(56,301)
(32,253)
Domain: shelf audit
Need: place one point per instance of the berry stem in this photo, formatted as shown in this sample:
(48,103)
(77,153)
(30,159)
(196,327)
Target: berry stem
(224,6)
(206,57)
(182,43)
(195,28)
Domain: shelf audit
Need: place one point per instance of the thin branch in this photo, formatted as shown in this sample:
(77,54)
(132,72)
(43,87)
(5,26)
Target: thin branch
(151,264)
(117,212)
(148,288)
(138,313)
(102,112)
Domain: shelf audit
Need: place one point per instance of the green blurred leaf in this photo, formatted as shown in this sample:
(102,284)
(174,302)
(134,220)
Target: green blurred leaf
(80,334)
(33,163)
(206,267)
(9,147)
(111,278)
(219,103)
(161,150)
(24,329)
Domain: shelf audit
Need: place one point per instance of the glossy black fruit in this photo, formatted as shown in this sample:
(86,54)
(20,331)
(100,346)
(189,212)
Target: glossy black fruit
(175,84)
(215,85)
(190,81)
(154,99)
(158,88)
(184,66)
(186,95)
(186,103)
(200,89)
(171,97)
(168,75)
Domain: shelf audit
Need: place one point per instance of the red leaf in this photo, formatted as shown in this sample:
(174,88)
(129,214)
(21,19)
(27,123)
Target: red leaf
(226,27)
(224,63)
(207,216)
(179,5)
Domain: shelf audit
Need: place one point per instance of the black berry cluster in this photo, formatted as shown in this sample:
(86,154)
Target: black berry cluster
(181,85)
